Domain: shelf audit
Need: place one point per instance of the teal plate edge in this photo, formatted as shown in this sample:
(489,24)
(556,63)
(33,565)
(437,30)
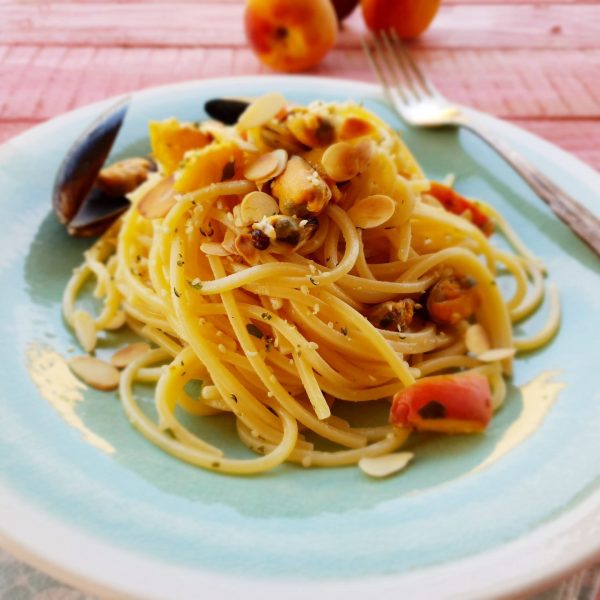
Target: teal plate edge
(567,539)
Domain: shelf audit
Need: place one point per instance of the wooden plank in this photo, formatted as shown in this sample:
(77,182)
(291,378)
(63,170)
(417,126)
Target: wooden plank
(575,136)
(41,82)
(221,24)
(164,3)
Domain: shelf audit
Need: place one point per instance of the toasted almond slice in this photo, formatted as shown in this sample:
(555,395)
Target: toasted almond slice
(262,110)
(257,205)
(95,372)
(267,166)
(245,248)
(117,321)
(372,211)
(496,354)
(159,200)
(388,464)
(123,357)
(85,330)
(341,161)
(477,339)
(214,249)
(228,242)
(353,127)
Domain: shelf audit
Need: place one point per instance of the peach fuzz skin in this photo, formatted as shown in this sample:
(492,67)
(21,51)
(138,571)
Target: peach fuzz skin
(291,35)
(409,18)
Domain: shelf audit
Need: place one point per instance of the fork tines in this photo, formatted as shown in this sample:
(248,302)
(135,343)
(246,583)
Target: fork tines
(395,68)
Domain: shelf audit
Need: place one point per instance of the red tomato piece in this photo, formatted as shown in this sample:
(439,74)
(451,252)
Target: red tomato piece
(458,403)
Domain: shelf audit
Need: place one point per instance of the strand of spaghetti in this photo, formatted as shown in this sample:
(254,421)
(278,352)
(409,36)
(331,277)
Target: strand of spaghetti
(167,396)
(144,316)
(298,341)
(387,288)
(272,385)
(317,240)
(515,268)
(313,390)
(445,221)
(160,338)
(377,341)
(133,285)
(376,433)
(149,375)
(319,458)
(550,328)
(330,248)
(444,363)
(148,429)
(393,269)
(509,233)
(80,275)
(405,239)
(535,296)
(361,262)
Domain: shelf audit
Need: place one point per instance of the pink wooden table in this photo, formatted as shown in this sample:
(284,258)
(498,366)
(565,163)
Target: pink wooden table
(535,63)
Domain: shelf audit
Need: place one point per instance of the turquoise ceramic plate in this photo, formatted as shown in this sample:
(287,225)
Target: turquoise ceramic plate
(85,497)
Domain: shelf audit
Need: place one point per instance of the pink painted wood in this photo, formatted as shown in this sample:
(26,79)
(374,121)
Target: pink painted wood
(535,62)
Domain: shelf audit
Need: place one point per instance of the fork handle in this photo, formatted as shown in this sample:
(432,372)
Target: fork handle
(579,219)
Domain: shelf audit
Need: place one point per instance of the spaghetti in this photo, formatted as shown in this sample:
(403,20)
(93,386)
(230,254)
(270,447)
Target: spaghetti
(295,262)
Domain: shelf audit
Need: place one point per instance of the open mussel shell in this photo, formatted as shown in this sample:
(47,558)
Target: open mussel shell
(80,205)
(225,110)
(97,213)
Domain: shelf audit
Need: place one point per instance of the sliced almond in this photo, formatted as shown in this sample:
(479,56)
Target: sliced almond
(85,330)
(214,249)
(159,200)
(257,205)
(117,321)
(383,466)
(125,356)
(245,248)
(267,166)
(95,372)
(354,127)
(477,339)
(262,110)
(372,211)
(341,161)
(496,354)
(228,242)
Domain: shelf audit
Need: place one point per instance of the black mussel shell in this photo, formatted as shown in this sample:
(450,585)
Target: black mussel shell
(76,176)
(226,110)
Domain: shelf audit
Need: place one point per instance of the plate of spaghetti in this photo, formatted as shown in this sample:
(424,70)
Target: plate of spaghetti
(312,350)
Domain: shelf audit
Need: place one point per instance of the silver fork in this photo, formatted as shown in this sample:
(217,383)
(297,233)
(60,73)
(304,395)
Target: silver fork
(419,104)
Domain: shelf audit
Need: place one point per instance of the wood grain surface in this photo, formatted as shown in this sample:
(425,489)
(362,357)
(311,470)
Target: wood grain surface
(536,63)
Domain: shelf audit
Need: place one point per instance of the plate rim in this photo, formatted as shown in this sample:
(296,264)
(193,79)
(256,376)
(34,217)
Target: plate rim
(573,534)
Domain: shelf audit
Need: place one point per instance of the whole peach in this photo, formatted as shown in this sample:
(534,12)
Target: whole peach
(408,17)
(291,35)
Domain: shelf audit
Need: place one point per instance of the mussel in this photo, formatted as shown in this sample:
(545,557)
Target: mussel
(86,197)
(226,110)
